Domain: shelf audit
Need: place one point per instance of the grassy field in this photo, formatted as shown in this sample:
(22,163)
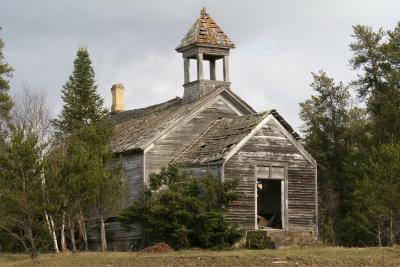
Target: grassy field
(285,257)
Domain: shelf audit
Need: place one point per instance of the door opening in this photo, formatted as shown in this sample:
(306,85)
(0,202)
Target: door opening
(269,203)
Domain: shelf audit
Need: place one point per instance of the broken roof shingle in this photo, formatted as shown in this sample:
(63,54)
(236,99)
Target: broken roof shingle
(205,31)
(222,136)
(216,142)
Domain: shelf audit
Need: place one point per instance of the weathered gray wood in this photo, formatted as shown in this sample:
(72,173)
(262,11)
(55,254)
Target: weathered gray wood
(203,171)
(270,145)
(167,148)
(133,170)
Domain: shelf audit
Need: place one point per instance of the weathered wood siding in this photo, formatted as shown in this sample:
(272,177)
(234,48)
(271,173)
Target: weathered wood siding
(202,171)
(133,169)
(270,145)
(168,147)
(118,236)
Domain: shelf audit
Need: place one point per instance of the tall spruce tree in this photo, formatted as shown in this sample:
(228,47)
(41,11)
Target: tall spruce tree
(82,103)
(85,175)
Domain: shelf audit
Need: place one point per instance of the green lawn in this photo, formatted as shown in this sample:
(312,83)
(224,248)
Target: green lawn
(285,257)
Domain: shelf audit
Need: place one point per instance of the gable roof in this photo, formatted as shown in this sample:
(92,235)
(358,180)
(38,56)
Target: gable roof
(222,136)
(205,31)
(136,129)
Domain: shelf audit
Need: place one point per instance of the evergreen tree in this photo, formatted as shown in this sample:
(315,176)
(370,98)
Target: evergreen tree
(376,205)
(5,73)
(357,149)
(183,211)
(20,189)
(82,103)
(377,56)
(5,99)
(90,185)
(325,116)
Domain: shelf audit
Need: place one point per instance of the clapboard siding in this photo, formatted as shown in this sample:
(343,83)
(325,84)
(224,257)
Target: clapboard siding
(115,233)
(270,145)
(168,147)
(202,171)
(133,168)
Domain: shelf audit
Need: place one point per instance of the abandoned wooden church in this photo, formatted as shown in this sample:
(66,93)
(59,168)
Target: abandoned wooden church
(210,128)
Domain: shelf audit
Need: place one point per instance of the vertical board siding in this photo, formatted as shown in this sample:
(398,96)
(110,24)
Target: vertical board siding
(133,168)
(175,141)
(270,145)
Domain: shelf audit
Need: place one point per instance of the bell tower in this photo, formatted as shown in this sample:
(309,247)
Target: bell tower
(205,41)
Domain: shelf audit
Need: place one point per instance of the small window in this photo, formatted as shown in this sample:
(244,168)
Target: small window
(270,172)
(277,172)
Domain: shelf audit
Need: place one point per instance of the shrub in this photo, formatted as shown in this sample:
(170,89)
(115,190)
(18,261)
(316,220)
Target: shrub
(183,211)
(258,240)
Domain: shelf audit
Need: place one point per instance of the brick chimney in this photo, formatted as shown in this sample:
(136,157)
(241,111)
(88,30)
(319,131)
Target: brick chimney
(117,91)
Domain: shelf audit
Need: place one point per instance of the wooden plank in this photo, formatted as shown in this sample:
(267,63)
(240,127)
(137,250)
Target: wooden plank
(270,145)
(168,147)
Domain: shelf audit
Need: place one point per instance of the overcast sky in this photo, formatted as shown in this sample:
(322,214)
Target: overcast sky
(278,44)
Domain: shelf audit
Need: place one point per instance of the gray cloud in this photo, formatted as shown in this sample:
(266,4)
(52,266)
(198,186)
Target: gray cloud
(278,44)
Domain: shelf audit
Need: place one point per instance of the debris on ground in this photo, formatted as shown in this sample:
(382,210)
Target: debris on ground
(158,248)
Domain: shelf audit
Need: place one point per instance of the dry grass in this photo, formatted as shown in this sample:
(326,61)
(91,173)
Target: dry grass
(285,257)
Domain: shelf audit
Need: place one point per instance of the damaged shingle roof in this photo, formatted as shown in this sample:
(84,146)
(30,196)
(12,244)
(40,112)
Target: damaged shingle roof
(205,31)
(135,129)
(216,142)
(222,136)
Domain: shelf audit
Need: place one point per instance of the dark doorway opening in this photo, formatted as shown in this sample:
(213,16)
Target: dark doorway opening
(269,203)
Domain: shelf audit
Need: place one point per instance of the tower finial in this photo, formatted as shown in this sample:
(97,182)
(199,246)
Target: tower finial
(203,11)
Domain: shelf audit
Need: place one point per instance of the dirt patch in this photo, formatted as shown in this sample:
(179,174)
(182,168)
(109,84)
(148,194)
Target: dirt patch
(158,248)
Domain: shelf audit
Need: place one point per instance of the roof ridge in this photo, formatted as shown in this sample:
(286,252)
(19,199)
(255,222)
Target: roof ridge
(151,106)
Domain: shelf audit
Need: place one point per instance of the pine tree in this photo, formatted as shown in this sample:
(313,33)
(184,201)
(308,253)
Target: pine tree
(377,56)
(325,116)
(21,187)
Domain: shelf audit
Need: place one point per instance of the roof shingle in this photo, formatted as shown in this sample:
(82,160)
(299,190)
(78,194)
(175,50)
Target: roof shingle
(205,31)
(216,142)
(135,129)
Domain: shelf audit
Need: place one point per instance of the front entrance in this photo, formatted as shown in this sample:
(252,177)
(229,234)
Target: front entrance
(271,196)
(269,207)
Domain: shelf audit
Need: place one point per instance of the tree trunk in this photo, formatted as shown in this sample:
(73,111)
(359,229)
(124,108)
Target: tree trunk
(391,229)
(52,232)
(63,241)
(71,225)
(32,249)
(379,235)
(103,234)
(82,230)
